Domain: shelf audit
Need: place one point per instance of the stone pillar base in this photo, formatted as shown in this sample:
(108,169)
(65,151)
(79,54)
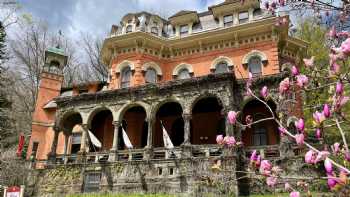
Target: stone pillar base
(186,151)
(148,154)
(113,156)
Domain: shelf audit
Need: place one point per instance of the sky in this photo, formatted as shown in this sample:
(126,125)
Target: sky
(96,17)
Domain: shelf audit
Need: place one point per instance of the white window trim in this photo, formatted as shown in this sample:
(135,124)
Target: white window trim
(219,60)
(182,66)
(253,53)
(123,65)
(153,65)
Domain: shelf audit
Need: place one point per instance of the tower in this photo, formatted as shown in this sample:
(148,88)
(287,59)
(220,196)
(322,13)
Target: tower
(45,108)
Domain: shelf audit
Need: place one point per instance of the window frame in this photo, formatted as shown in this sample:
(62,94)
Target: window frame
(123,72)
(243,19)
(221,63)
(182,70)
(155,77)
(182,33)
(259,130)
(250,67)
(127,30)
(228,23)
(154,32)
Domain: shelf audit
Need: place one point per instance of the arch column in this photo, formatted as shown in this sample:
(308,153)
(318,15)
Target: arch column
(114,150)
(148,149)
(65,150)
(84,139)
(187,128)
(52,154)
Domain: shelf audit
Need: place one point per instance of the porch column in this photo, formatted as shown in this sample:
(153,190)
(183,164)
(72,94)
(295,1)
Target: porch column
(84,139)
(52,154)
(148,153)
(114,150)
(66,137)
(187,128)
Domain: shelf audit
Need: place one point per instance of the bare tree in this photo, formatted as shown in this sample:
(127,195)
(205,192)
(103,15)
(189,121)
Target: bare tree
(92,50)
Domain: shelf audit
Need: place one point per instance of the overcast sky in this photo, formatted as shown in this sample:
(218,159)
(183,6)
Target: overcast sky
(97,16)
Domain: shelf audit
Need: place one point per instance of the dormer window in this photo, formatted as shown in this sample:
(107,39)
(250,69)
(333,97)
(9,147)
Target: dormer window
(243,17)
(155,23)
(228,20)
(257,12)
(130,21)
(128,28)
(184,74)
(125,77)
(154,30)
(183,30)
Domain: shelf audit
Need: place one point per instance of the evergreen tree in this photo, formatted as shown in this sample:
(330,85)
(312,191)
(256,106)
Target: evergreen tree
(5,104)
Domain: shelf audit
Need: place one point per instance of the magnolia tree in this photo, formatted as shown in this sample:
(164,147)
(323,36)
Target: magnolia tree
(307,76)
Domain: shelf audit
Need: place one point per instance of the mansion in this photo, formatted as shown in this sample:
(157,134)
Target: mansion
(184,73)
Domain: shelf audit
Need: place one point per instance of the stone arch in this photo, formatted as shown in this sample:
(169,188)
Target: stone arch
(254,53)
(156,107)
(123,65)
(263,133)
(206,95)
(96,110)
(125,107)
(182,66)
(221,59)
(65,117)
(207,121)
(153,65)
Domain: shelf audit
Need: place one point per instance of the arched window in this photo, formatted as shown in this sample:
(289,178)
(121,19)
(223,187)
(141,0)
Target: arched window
(221,67)
(184,74)
(154,30)
(125,77)
(259,132)
(257,12)
(254,65)
(151,75)
(128,28)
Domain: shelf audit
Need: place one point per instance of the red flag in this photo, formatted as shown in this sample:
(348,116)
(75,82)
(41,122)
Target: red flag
(20,145)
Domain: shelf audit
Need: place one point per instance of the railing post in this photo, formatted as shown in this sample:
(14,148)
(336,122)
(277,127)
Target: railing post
(83,149)
(52,154)
(113,156)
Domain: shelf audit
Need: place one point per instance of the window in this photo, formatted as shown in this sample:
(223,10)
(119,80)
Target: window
(35,149)
(221,67)
(92,182)
(184,30)
(154,30)
(257,12)
(128,28)
(151,75)
(76,141)
(125,78)
(259,131)
(243,17)
(254,65)
(228,20)
(259,136)
(184,74)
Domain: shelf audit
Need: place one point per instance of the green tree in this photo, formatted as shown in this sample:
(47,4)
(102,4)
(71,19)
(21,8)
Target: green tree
(319,46)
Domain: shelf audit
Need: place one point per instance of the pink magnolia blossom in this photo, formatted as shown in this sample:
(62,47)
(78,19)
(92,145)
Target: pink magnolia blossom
(264,92)
(332,33)
(271,181)
(345,47)
(220,139)
(336,148)
(231,141)
(332,182)
(294,194)
(322,155)
(318,133)
(326,111)
(253,156)
(310,157)
(347,156)
(300,125)
(265,167)
(258,161)
(282,2)
(287,187)
(232,117)
(340,102)
(282,131)
(302,80)
(295,71)
(284,86)
(328,166)
(335,68)
(339,88)
(309,62)
(299,138)
(319,117)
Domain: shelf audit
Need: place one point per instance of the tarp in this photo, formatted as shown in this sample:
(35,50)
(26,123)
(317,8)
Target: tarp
(126,140)
(94,140)
(166,139)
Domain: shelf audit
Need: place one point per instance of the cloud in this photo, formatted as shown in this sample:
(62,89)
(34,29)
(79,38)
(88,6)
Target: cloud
(96,17)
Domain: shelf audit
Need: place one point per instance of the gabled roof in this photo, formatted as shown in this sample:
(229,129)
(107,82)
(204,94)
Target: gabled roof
(225,3)
(182,12)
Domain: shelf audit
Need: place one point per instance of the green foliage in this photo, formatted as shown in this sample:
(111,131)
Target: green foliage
(319,47)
